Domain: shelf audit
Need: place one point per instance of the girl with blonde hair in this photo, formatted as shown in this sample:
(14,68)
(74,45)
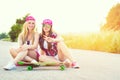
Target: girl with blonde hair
(28,44)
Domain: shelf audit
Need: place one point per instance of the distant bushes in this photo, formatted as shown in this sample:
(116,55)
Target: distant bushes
(3,35)
(102,41)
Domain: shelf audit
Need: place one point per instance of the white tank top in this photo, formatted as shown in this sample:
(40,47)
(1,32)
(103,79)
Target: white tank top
(45,44)
(28,42)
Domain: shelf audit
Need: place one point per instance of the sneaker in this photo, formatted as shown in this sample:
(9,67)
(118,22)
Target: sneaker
(75,65)
(34,61)
(10,66)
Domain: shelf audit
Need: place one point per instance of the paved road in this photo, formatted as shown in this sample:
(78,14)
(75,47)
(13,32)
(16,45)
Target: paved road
(94,66)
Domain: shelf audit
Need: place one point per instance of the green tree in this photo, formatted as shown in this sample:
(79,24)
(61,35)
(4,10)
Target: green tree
(16,28)
(112,19)
(3,35)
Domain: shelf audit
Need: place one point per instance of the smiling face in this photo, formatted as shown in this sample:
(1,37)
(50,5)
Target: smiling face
(46,27)
(31,25)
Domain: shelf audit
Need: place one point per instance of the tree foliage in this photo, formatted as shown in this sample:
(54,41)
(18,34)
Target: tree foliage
(3,35)
(16,28)
(112,19)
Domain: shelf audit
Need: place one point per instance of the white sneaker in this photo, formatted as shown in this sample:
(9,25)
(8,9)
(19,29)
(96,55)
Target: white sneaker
(10,66)
(34,61)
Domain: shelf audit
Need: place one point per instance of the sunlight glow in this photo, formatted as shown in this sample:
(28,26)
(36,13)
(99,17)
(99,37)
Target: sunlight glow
(67,15)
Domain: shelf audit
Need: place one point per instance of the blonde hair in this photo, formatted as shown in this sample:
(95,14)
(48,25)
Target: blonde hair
(24,32)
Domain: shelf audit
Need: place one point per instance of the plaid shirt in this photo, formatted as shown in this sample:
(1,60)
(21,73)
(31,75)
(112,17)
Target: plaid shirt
(53,51)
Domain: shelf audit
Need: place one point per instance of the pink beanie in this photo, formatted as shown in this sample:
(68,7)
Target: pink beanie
(47,21)
(30,18)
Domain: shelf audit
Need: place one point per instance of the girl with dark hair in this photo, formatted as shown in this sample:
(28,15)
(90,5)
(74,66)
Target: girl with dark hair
(53,47)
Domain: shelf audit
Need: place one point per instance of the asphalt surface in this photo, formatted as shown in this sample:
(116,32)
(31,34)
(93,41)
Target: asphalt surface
(93,66)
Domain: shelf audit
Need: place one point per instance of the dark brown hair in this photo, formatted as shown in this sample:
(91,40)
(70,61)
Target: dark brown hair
(41,40)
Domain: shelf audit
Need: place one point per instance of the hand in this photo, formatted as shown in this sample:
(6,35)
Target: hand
(48,39)
(24,47)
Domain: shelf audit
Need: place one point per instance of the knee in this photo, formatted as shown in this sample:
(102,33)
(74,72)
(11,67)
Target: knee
(62,60)
(11,50)
(60,45)
(26,51)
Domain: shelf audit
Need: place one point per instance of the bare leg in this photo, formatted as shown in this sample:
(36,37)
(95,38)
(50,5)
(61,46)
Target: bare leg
(20,56)
(44,58)
(63,52)
(47,58)
(31,54)
(15,52)
(61,55)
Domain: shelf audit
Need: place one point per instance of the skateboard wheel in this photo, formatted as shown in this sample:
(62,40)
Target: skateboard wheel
(62,67)
(20,63)
(29,68)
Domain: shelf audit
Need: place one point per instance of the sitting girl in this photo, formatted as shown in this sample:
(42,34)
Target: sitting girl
(52,46)
(28,43)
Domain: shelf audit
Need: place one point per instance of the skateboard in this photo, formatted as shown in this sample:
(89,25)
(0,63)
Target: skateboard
(43,66)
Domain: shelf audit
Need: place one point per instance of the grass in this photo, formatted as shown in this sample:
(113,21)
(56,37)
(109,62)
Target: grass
(6,39)
(102,41)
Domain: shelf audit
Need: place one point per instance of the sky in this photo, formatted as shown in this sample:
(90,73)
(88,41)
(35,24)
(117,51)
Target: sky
(67,15)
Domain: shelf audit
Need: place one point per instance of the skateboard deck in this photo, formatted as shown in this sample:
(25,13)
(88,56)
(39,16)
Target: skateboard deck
(38,64)
(42,66)
(62,67)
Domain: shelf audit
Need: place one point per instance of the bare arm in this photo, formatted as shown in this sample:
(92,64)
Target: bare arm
(20,42)
(57,39)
